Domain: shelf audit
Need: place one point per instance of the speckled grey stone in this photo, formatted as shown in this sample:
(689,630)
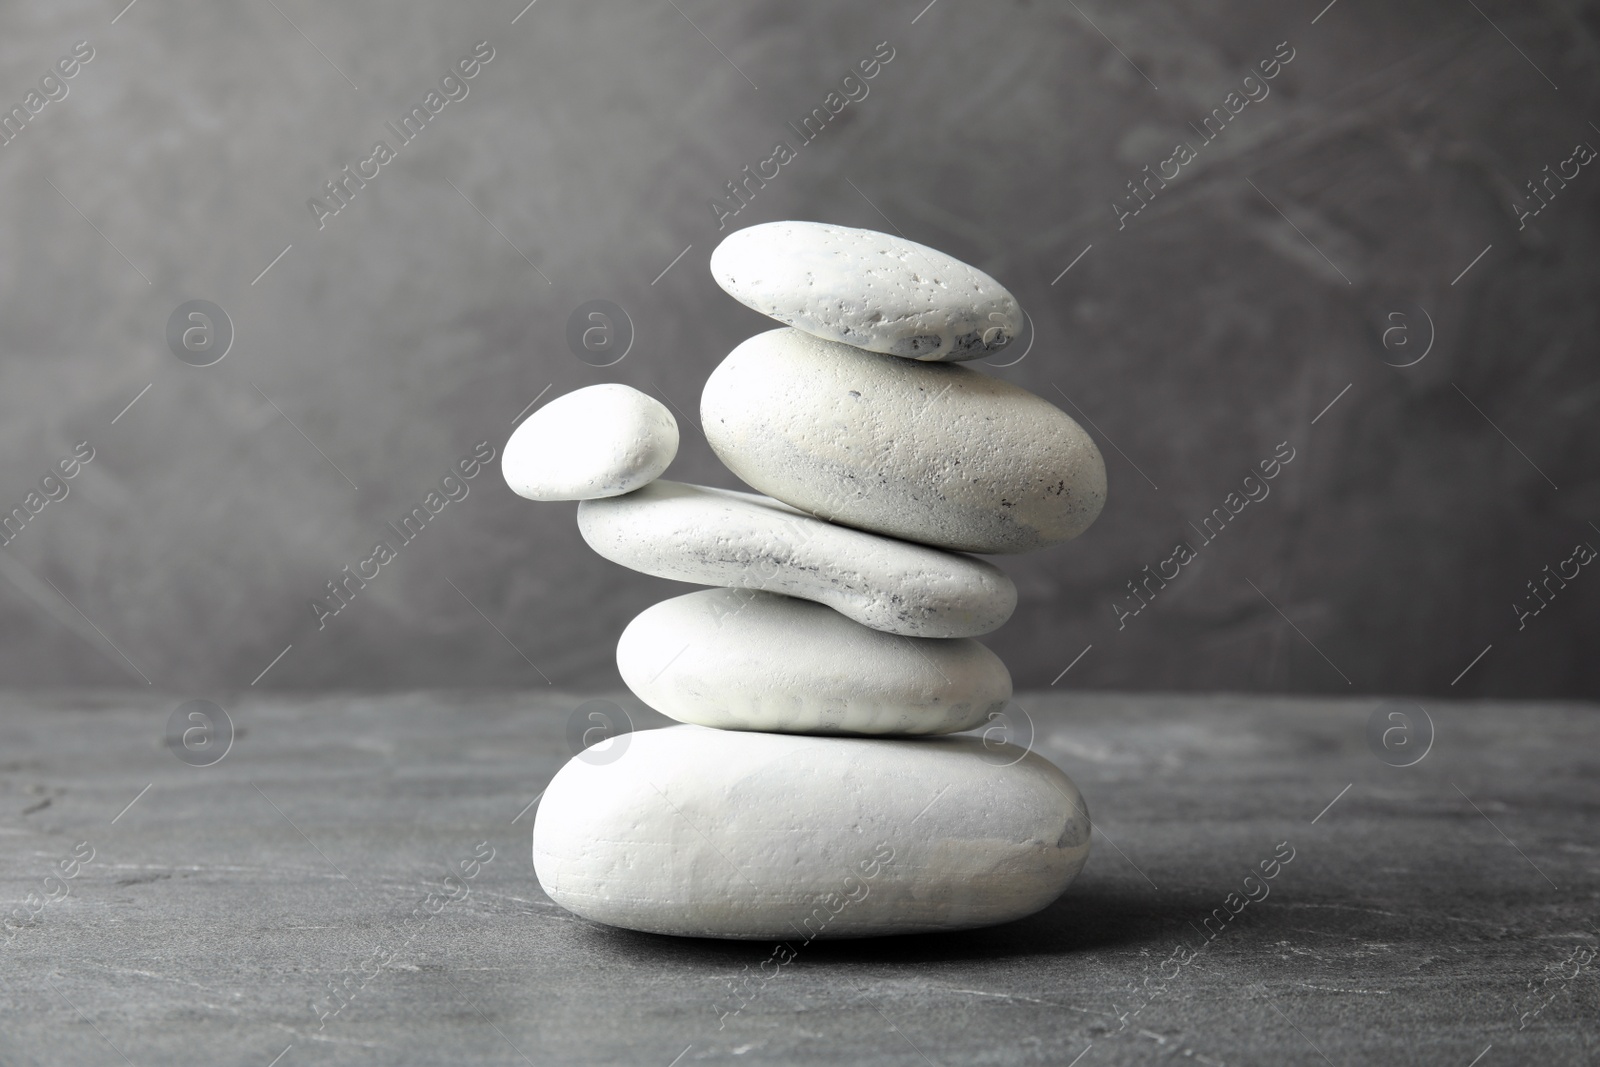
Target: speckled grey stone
(942,455)
(690,533)
(873,290)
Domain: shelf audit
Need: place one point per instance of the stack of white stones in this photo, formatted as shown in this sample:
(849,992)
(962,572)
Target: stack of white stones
(801,800)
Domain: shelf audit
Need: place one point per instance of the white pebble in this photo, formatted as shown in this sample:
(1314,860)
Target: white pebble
(690,533)
(745,660)
(722,833)
(933,453)
(604,440)
(869,289)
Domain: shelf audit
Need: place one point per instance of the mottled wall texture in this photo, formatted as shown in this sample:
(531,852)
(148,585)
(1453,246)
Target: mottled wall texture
(1242,228)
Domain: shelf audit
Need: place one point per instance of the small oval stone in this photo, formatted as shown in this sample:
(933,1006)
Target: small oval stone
(600,441)
(937,454)
(690,533)
(872,290)
(722,833)
(740,659)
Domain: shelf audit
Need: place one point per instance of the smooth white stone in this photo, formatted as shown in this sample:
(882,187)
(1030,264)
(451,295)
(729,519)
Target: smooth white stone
(933,453)
(603,440)
(723,833)
(691,533)
(745,660)
(869,289)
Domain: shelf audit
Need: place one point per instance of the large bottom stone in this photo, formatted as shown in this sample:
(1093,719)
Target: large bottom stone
(713,833)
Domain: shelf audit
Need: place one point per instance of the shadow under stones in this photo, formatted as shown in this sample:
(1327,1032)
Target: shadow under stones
(1083,920)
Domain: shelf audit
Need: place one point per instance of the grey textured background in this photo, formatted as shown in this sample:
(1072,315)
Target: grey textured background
(1210,329)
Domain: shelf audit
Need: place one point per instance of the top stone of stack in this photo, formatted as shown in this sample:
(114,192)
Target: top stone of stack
(871,290)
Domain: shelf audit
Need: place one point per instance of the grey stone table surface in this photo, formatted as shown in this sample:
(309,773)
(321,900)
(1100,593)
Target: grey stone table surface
(1439,913)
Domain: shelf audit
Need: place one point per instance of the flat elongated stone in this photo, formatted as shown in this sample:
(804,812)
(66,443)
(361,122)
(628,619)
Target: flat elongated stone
(869,289)
(932,453)
(722,833)
(603,440)
(745,660)
(691,533)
